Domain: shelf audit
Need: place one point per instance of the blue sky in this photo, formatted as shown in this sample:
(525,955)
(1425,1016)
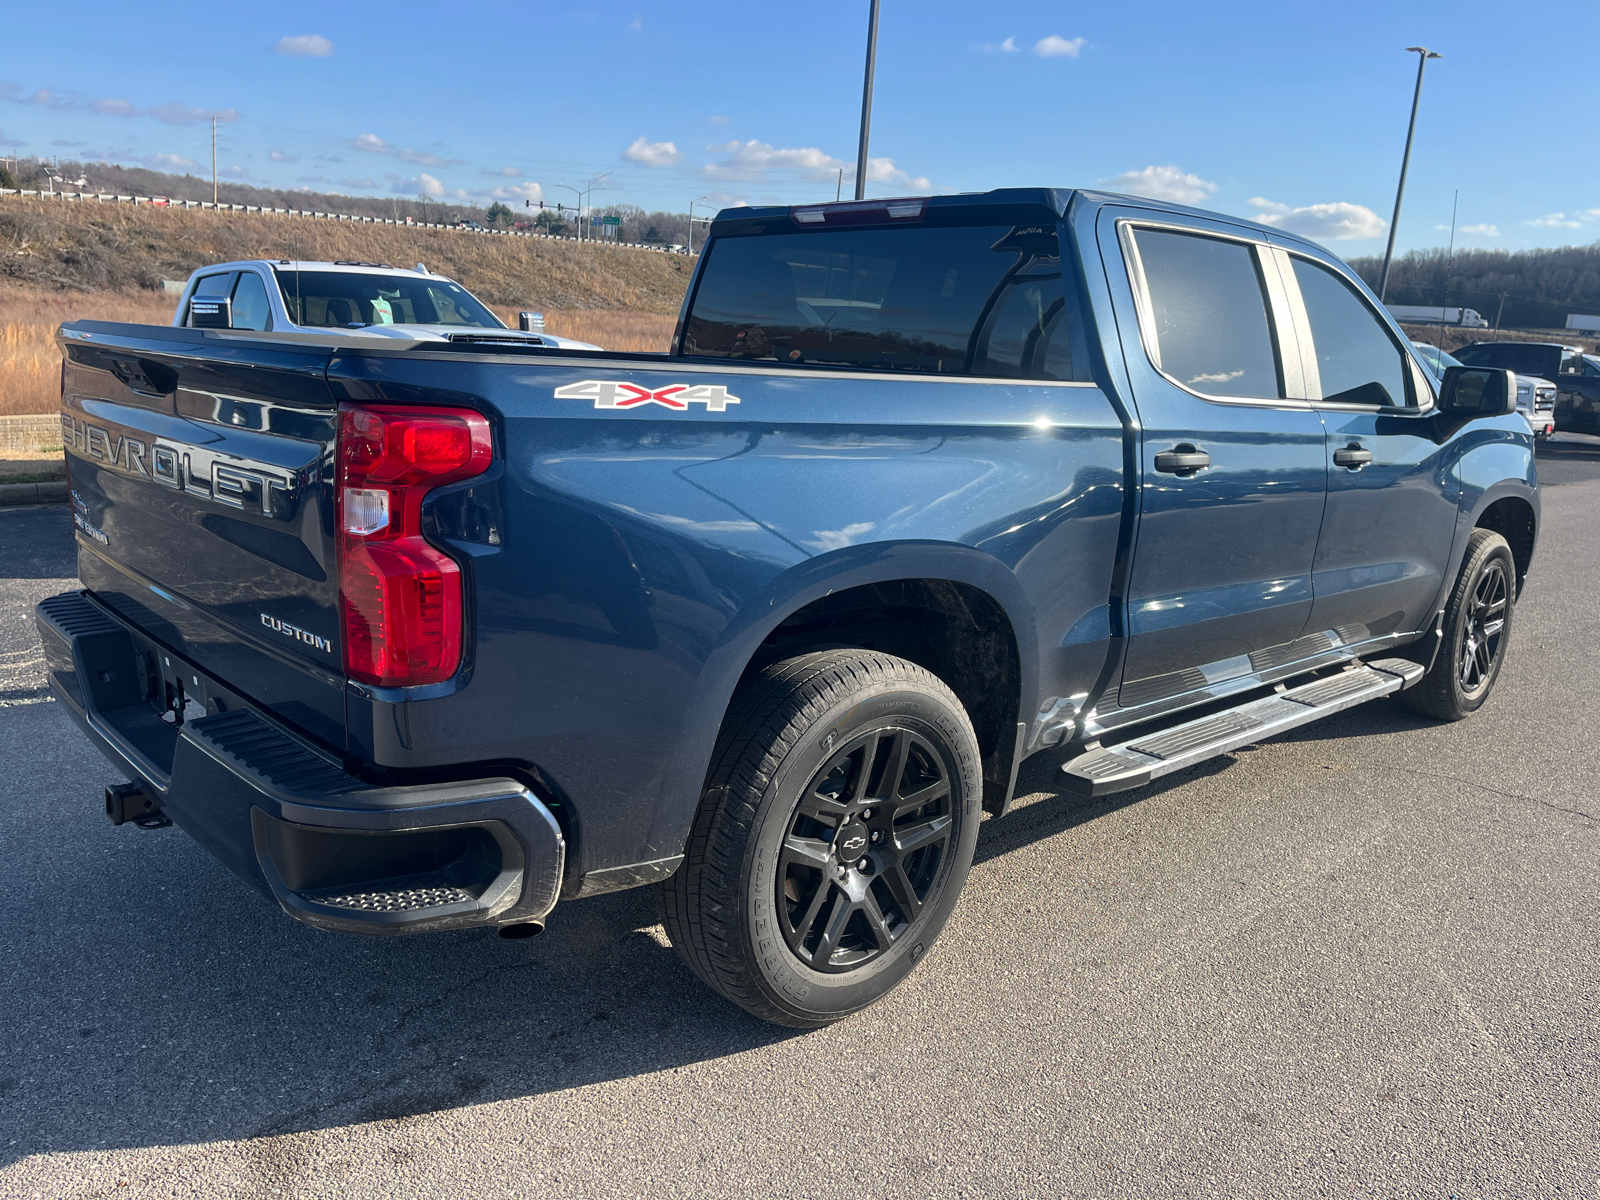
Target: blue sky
(1290,113)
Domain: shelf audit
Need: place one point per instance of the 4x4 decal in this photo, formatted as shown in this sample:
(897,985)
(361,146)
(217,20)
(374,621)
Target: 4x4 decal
(677,396)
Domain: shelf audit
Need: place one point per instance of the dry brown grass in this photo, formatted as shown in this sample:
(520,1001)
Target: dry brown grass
(638,333)
(30,364)
(120,247)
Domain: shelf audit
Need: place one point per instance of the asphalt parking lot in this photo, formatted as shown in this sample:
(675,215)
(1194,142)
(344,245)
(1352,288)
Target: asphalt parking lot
(1357,960)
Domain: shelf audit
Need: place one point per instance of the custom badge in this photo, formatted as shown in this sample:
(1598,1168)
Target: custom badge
(676,396)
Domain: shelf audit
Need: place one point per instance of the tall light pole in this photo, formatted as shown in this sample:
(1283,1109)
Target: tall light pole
(567,187)
(1424,54)
(866,102)
(692,203)
(213,162)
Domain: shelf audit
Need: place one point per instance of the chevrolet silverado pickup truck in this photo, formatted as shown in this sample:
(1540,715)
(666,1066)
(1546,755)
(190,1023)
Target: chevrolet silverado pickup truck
(1576,376)
(433,635)
(367,299)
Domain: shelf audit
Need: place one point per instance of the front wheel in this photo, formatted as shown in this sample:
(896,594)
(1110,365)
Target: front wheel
(834,835)
(1477,625)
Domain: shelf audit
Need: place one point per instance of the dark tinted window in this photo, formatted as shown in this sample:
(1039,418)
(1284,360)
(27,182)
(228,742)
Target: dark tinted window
(1210,315)
(1526,360)
(1357,359)
(981,300)
(340,299)
(250,309)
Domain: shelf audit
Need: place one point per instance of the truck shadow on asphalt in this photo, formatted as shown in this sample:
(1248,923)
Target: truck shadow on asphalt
(166,1003)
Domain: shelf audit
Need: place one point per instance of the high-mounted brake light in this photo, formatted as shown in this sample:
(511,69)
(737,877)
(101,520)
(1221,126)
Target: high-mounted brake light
(400,596)
(861,212)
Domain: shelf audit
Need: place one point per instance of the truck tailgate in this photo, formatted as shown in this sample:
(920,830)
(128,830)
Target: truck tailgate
(201,476)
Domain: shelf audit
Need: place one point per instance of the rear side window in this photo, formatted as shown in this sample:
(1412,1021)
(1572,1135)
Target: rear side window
(250,309)
(1526,360)
(964,300)
(1209,313)
(1356,357)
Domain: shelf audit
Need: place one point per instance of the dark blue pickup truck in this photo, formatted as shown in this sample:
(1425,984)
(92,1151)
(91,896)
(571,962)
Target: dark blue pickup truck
(431,636)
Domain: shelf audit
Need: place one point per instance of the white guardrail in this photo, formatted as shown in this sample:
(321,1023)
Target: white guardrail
(162,202)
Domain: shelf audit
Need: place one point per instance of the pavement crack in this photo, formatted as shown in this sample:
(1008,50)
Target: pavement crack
(1576,812)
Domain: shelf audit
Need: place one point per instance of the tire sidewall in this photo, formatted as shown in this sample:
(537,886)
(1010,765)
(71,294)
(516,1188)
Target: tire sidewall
(788,982)
(1489,552)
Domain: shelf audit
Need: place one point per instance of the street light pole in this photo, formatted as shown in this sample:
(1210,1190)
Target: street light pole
(866,102)
(1424,54)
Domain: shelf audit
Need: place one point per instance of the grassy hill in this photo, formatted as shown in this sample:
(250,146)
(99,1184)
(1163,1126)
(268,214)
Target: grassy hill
(121,247)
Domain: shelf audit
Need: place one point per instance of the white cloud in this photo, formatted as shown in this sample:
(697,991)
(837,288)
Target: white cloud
(371,143)
(883,170)
(234,172)
(1057,47)
(1164,183)
(518,191)
(5,141)
(651,154)
(1339,221)
(754,157)
(425,158)
(1556,221)
(719,120)
(1482,230)
(749,160)
(1009,46)
(499,172)
(1589,214)
(167,162)
(277,155)
(635,25)
(306,45)
(422,185)
(116,106)
(363,183)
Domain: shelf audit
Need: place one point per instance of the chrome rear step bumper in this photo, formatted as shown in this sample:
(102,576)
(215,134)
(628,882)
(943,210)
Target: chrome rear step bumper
(1149,756)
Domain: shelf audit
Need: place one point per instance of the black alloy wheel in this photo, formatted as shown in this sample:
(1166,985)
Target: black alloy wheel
(1476,631)
(1483,628)
(834,834)
(863,849)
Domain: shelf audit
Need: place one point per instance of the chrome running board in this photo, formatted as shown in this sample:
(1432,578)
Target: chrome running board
(1149,756)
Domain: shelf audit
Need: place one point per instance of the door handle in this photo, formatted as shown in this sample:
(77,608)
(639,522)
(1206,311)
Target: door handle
(1352,456)
(1182,460)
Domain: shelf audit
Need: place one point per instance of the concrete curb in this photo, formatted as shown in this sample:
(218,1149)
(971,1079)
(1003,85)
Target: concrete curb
(33,493)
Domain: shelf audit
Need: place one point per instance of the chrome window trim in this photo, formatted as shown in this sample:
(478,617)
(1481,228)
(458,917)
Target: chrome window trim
(1420,379)
(1284,342)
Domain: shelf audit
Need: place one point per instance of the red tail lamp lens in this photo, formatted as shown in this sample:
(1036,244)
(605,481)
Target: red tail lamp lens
(400,595)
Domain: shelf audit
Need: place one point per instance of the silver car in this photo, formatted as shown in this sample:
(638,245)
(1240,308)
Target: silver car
(1536,397)
(352,298)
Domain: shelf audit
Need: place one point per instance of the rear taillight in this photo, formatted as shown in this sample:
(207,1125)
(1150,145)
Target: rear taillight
(400,596)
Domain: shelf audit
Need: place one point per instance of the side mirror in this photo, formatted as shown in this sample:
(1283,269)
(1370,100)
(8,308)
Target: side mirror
(211,312)
(1469,392)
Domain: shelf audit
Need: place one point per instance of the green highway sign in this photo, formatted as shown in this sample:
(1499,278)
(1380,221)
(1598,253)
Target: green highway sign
(611,220)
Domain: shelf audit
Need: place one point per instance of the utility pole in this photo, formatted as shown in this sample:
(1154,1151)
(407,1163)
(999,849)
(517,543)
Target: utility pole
(213,162)
(1399,193)
(838,191)
(866,102)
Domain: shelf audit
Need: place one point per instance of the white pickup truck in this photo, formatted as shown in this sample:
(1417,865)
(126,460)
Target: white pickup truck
(370,299)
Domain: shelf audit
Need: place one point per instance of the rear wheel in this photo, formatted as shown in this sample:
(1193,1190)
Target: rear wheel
(833,838)
(1477,624)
